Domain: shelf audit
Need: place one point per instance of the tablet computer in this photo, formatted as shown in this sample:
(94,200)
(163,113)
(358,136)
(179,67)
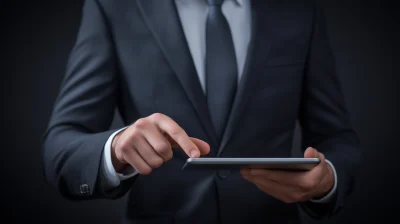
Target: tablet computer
(290,164)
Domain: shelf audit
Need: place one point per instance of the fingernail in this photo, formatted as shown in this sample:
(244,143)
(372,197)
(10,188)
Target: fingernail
(193,153)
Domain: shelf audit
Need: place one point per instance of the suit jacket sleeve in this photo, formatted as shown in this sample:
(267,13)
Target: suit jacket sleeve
(325,120)
(79,126)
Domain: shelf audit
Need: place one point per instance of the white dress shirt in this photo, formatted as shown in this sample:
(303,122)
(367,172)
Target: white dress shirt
(193,16)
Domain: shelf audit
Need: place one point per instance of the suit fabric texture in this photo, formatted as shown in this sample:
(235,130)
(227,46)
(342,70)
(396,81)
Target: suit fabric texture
(132,55)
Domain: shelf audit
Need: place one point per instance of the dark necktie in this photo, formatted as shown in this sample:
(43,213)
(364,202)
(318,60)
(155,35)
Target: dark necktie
(221,66)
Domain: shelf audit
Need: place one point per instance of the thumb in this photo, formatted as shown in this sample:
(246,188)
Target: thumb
(312,153)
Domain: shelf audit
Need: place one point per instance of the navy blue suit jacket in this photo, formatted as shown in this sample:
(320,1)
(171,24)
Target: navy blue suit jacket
(132,55)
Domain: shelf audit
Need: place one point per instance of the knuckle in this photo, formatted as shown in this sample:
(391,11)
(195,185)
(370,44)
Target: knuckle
(145,171)
(156,162)
(140,123)
(122,151)
(135,134)
(169,155)
(175,132)
(156,116)
(162,148)
(123,146)
(119,155)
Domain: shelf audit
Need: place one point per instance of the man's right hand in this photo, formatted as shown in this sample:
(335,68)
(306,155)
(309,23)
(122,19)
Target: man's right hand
(148,143)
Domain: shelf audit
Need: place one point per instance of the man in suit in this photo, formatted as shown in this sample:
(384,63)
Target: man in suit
(204,78)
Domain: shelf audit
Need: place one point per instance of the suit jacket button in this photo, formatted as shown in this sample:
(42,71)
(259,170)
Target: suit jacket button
(84,188)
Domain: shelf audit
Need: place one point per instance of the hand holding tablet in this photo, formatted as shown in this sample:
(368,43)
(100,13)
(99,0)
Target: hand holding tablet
(279,177)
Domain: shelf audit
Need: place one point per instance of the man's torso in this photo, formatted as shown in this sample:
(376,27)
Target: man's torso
(157,74)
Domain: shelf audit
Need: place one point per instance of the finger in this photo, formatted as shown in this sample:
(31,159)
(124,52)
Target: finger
(147,152)
(171,141)
(319,171)
(282,177)
(203,146)
(170,127)
(311,153)
(281,192)
(158,142)
(136,161)
(303,181)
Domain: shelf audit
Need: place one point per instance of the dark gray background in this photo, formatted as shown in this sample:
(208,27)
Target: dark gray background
(36,37)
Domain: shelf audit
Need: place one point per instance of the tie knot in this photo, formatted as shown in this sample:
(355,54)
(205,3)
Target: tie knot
(215,2)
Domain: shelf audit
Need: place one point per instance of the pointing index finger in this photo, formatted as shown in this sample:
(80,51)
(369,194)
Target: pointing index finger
(170,127)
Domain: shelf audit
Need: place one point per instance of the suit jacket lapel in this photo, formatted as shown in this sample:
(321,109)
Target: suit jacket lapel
(260,18)
(163,20)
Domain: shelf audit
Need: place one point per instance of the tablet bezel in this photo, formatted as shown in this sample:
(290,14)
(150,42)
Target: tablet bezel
(289,164)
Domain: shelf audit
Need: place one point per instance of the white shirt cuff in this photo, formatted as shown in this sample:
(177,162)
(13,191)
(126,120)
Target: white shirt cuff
(112,178)
(327,198)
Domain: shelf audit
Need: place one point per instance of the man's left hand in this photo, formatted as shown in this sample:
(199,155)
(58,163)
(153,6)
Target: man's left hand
(294,186)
